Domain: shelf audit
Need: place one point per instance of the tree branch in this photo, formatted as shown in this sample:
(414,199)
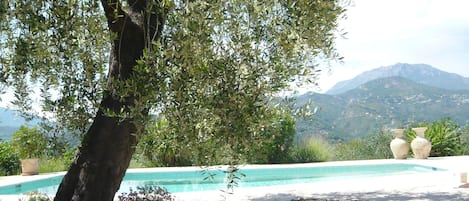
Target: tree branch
(137,5)
(114,13)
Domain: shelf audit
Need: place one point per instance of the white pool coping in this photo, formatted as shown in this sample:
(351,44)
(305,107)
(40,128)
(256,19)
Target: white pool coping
(425,186)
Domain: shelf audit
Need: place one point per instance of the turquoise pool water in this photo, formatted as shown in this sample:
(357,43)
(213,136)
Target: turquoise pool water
(195,180)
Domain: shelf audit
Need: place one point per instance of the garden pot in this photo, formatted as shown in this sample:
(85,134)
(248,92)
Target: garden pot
(399,146)
(30,166)
(421,147)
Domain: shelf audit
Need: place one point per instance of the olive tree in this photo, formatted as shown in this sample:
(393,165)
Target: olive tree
(100,67)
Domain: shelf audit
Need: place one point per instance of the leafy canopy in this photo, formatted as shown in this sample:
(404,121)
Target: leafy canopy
(211,72)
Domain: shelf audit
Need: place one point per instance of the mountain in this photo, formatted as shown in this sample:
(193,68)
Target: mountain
(420,73)
(10,121)
(388,102)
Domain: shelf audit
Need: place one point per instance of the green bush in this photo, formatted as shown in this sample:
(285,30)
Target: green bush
(351,150)
(147,192)
(36,196)
(312,150)
(464,139)
(52,165)
(29,142)
(69,155)
(159,148)
(277,140)
(444,135)
(377,145)
(374,146)
(9,160)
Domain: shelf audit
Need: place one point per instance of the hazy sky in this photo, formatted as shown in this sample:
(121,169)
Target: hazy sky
(385,32)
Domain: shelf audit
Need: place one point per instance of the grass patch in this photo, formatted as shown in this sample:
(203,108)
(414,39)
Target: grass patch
(52,165)
(138,163)
(312,150)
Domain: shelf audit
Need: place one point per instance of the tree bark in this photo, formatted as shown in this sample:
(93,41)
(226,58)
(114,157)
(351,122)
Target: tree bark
(108,145)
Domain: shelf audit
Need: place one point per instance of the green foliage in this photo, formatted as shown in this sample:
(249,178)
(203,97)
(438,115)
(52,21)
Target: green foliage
(211,72)
(312,150)
(9,160)
(277,139)
(233,177)
(56,163)
(69,155)
(224,70)
(29,142)
(160,148)
(52,165)
(409,135)
(378,144)
(465,140)
(373,146)
(444,135)
(59,47)
(144,193)
(352,150)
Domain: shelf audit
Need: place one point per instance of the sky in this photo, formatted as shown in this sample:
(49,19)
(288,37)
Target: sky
(386,32)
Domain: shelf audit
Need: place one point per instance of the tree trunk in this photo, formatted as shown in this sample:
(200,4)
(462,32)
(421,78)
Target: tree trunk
(108,145)
(101,163)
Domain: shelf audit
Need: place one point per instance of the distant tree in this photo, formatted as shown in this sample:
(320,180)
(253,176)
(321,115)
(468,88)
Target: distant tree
(314,149)
(378,144)
(465,140)
(29,142)
(160,147)
(372,146)
(9,159)
(275,140)
(171,56)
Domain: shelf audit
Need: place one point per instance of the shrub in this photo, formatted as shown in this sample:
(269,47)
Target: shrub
(445,137)
(29,142)
(36,196)
(377,145)
(147,193)
(464,139)
(52,165)
(374,146)
(160,148)
(277,139)
(69,155)
(9,160)
(351,150)
(312,150)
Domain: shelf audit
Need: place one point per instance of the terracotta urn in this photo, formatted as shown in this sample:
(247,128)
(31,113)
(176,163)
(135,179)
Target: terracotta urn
(421,147)
(399,146)
(29,166)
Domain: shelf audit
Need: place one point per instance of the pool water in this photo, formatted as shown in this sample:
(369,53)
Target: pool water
(197,180)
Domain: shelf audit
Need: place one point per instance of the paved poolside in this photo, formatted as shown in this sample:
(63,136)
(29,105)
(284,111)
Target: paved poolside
(423,186)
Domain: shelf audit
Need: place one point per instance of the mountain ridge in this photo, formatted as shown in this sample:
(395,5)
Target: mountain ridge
(388,102)
(11,121)
(420,73)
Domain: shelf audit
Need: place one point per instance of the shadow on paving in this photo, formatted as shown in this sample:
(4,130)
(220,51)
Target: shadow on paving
(376,195)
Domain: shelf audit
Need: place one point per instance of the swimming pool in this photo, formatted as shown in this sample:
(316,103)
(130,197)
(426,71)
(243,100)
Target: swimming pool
(194,180)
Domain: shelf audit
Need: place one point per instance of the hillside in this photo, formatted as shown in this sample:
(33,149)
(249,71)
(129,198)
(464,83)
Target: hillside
(420,73)
(386,102)
(10,121)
